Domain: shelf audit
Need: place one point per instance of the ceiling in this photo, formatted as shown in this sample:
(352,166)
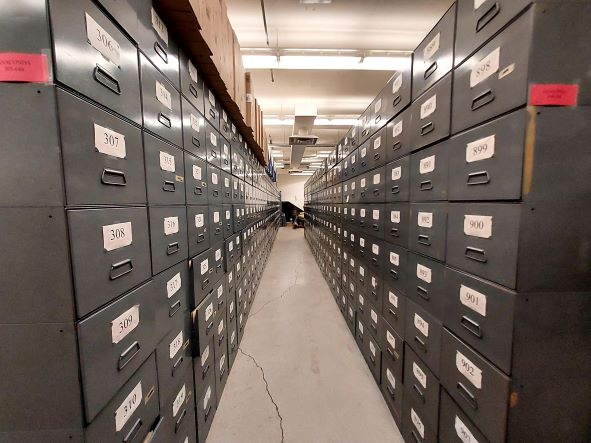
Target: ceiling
(397,25)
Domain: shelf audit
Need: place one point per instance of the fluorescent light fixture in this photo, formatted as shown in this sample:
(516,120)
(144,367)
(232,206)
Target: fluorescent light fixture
(325,152)
(278,122)
(323,155)
(303,173)
(309,160)
(315,166)
(326,62)
(346,122)
(315,2)
(277,154)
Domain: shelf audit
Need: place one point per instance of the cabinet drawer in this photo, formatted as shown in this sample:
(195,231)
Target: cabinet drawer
(168,236)
(165,181)
(377,148)
(393,308)
(427,229)
(191,82)
(213,144)
(203,319)
(226,187)
(374,191)
(428,173)
(372,219)
(221,368)
(396,270)
(225,125)
(214,185)
(198,229)
(203,366)
(454,424)
(193,130)
(394,97)
(482,240)
(396,227)
(392,346)
(373,357)
(392,389)
(175,297)
(363,162)
(205,408)
(374,290)
(178,413)
(398,136)
(398,180)
(195,180)
(423,334)
(203,275)
(211,107)
(426,283)
(414,427)
(216,225)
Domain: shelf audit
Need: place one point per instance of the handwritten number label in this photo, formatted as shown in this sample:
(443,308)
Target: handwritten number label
(431,48)
(481,149)
(429,107)
(421,325)
(195,123)
(100,40)
(175,345)
(486,67)
(193,72)
(171,225)
(204,266)
(109,142)
(424,273)
(416,421)
(173,285)
(128,407)
(419,375)
(469,370)
(397,84)
(463,432)
(478,225)
(395,216)
(117,236)
(427,164)
(125,323)
(473,299)
(425,219)
(159,27)
(163,95)
(179,400)
(393,299)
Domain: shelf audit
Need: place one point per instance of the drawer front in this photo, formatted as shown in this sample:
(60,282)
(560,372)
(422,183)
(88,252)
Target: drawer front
(374,290)
(398,136)
(377,148)
(193,130)
(110,253)
(212,108)
(178,422)
(215,185)
(237,162)
(228,217)
(375,191)
(372,219)
(454,424)
(216,225)
(361,275)
(373,356)
(220,339)
(226,187)
(225,157)
(481,390)
(225,125)
(395,97)
(235,189)
(218,261)
(124,13)
(203,275)
(396,227)
(393,308)
(161,104)
(373,319)
(173,358)
(205,409)
(428,173)
(111,79)
(481,314)
(168,236)
(354,166)
(156,43)
(392,346)
(479,97)
(198,229)
(113,344)
(426,283)
(195,180)
(374,256)
(392,389)
(427,229)
(423,334)
(141,391)
(213,144)
(430,120)
(175,297)
(487,161)
(204,318)
(433,58)
(396,262)
(482,240)
(232,342)
(422,387)
(221,369)
(165,181)
(363,158)
(365,126)
(220,295)
(398,180)
(191,82)
(414,427)
(203,366)
(110,169)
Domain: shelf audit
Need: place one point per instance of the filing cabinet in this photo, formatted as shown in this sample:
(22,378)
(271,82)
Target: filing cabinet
(373,356)
(392,390)
(396,228)
(191,83)
(178,414)
(216,225)
(377,148)
(426,283)
(194,134)
(168,236)
(213,143)
(226,180)
(392,347)
(398,180)
(393,308)
(454,423)
(365,126)
(422,332)
(203,366)
(204,323)
(398,133)
(228,217)
(212,108)
(218,261)
(393,98)
(395,272)
(235,190)
(195,180)
(375,290)
(203,267)
(215,185)
(225,157)
(433,58)
(165,181)
(161,104)
(198,229)
(205,407)
(429,173)
(220,295)
(220,339)
(427,229)
(413,423)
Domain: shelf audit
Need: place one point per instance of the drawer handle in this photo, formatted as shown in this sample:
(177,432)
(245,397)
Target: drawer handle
(395,189)
(120,269)
(482,99)
(193,91)
(204,372)
(196,141)
(414,436)
(362,223)
(212,113)
(113,177)
(205,283)
(164,120)
(222,374)
(177,425)
(396,146)
(198,190)
(394,274)
(374,260)
(393,314)
(362,193)
(376,156)
(363,163)
(173,248)
(468,396)
(127,355)
(375,227)
(216,192)
(106,79)
(391,392)
(168,186)
(426,129)
(376,192)
(424,240)
(396,101)
(423,293)
(478,178)
(419,392)
(426,185)
(373,359)
(161,52)
(200,238)
(395,355)
(364,132)
(221,339)
(133,432)
(378,119)
(174,308)
(488,15)
(177,364)
(226,127)
(208,328)
(471,326)
(360,337)
(476,254)
(430,70)
(421,343)
(394,232)
(207,413)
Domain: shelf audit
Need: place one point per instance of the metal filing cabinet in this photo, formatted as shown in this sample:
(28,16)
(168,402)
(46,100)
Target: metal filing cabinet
(398,133)
(195,180)
(395,272)
(203,275)
(398,180)
(393,98)
(198,229)
(194,137)
(454,423)
(168,236)
(165,181)
(205,407)
(426,283)
(191,82)
(429,173)
(428,228)
(393,308)
(226,181)
(423,334)
(216,225)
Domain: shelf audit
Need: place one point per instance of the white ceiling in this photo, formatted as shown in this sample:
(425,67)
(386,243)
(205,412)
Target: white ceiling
(397,25)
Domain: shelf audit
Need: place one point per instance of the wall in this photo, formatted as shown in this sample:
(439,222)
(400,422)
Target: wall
(292,188)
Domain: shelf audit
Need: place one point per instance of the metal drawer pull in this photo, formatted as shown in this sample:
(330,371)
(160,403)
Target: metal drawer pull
(106,79)
(376,192)
(374,260)
(205,282)
(174,308)
(426,185)
(133,432)
(213,154)
(376,156)
(471,326)
(196,141)
(430,70)
(362,193)
(173,248)
(177,425)
(396,101)
(177,364)
(120,269)
(208,328)
(419,392)
(216,192)
(113,177)
(424,240)
(221,339)
(478,178)
(362,223)
(423,293)
(391,392)
(476,254)
(488,15)
(212,113)
(421,344)
(482,99)
(200,238)
(394,274)
(161,52)
(426,129)
(198,190)
(363,163)
(468,396)
(375,227)
(204,372)
(222,374)
(127,355)
(164,120)
(168,186)
(207,412)
(414,436)
(396,146)
(395,189)
(395,356)
(193,91)
(392,313)
(394,232)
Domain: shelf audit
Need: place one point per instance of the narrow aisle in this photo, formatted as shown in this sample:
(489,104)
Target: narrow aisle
(299,373)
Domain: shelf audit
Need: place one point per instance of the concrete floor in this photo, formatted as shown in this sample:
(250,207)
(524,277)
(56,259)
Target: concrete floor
(299,376)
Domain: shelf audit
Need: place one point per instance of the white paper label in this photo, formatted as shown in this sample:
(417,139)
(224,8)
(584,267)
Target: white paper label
(175,345)
(193,72)
(429,107)
(199,220)
(159,26)
(397,84)
(397,129)
(375,249)
(394,259)
(179,400)
(378,106)
(421,325)
(486,67)
(128,407)
(377,142)
(419,375)
(478,3)
(213,138)
(109,142)
(374,282)
(463,432)
(218,255)
(425,219)
(204,356)
(417,422)
(197,172)
(195,123)
(376,214)
(362,242)
(221,327)
(478,225)
(480,149)
(469,370)
(231,247)
(362,213)
(427,164)
(173,285)
(391,378)
(353,159)
(393,299)
(214,178)
(424,273)
(102,41)
(167,162)
(216,217)
(391,339)
(397,173)
(473,300)
(395,216)
(431,48)
(363,152)
(207,397)
(204,266)
(372,348)
(171,225)
(163,95)
(352,186)
(360,327)
(208,311)
(376,179)
(363,183)
(125,323)
(117,236)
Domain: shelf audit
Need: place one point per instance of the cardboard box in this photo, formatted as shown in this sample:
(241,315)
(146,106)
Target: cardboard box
(239,79)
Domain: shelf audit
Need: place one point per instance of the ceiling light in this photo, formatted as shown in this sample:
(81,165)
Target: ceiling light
(325,152)
(345,122)
(277,154)
(326,62)
(302,173)
(278,122)
(323,155)
(316,166)
(315,2)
